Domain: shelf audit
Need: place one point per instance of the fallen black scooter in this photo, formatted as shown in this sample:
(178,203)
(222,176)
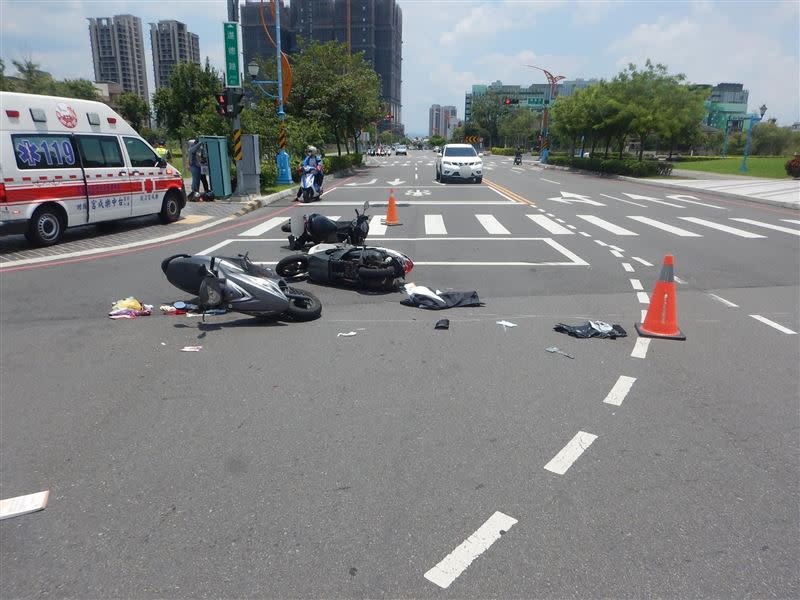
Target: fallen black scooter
(239,285)
(318,229)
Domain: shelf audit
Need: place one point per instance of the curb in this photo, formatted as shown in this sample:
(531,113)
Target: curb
(262,201)
(657,183)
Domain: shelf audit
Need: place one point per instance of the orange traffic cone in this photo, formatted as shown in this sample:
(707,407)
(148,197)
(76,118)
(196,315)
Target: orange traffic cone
(391,211)
(661,318)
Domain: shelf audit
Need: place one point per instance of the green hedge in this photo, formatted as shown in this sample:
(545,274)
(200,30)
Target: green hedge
(613,166)
(504,151)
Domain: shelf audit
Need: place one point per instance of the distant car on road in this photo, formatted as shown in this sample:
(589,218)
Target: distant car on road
(459,161)
(401,150)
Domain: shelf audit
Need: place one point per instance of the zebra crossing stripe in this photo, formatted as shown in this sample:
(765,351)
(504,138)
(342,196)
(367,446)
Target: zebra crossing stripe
(549,225)
(376,227)
(768,226)
(492,225)
(664,227)
(264,227)
(725,228)
(615,229)
(434,224)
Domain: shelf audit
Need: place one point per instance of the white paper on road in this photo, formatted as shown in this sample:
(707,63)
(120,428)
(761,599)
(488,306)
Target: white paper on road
(449,568)
(348,334)
(506,324)
(23,505)
(562,461)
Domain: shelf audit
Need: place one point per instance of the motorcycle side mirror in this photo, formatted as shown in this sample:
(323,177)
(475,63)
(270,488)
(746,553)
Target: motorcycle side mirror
(366,205)
(297,225)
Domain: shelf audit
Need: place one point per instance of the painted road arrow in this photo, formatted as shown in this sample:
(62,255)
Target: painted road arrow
(395,182)
(365,183)
(569,198)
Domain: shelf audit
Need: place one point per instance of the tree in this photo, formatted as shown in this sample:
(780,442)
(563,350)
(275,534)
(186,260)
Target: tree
(187,106)
(487,109)
(436,140)
(134,110)
(771,140)
(518,127)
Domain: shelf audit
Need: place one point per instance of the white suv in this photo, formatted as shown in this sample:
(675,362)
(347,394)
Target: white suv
(459,161)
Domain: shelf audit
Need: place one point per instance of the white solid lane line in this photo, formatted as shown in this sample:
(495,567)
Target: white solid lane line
(375,225)
(492,225)
(725,228)
(627,267)
(549,225)
(455,563)
(641,260)
(777,326)
(620,390)
(562,461)
(550,181)
(264,227)
(725,302)
(665,227)
(434,224)
(215,247)
(768,226)
(640,349)
(610,227)
(637,285)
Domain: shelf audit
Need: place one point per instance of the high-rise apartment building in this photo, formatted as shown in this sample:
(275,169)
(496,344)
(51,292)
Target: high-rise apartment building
(434,120)
(374,27)
(442,120)
(118,53)
(172,43)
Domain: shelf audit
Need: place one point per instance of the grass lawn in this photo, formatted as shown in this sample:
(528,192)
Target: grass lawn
(756,166)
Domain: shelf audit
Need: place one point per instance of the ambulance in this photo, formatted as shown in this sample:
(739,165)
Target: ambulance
(67,162)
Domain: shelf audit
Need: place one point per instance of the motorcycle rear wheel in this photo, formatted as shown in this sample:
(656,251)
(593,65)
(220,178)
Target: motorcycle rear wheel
(294,266)
(308,195)
(308,309)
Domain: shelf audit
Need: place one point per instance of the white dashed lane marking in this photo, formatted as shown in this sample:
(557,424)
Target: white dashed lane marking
(562,461)
(774,325)
(620,390)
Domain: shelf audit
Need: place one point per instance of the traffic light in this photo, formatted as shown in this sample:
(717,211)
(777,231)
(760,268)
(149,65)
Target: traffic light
(506,101)
(515,101)
(222,104)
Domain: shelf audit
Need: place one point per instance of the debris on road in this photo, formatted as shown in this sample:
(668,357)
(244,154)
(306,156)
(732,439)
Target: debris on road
(423,297)
(442,324)
(506,324)
(191,349)
(129,308)
(555,350)
(23,505)
(348,334)
(589,329)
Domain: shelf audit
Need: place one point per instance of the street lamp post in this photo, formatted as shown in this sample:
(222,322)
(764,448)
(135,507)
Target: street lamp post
(553,81)
(282,159)
(753,120)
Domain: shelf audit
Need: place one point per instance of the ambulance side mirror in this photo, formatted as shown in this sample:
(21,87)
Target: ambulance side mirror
(162,163)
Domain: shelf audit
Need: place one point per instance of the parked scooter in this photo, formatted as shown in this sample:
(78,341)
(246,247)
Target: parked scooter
(239,285)
(362,266)
(310,191)
(316,229)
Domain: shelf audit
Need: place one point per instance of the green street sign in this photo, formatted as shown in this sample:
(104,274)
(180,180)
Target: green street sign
(535,101)
(231,54)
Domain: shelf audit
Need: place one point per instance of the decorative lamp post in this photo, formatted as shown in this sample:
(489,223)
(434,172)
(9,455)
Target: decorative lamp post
(553,81)
(753,120)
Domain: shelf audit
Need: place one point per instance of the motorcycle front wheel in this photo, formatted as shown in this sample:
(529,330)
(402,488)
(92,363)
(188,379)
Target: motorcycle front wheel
(293,267)
(307,309)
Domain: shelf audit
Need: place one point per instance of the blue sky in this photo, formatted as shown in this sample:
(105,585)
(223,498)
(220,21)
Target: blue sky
(448,45)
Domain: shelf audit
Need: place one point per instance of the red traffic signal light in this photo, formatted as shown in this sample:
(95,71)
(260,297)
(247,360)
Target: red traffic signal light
(507,101)
(222,104)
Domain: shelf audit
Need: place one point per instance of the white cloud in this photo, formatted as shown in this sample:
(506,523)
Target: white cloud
(715,50)
(587,12)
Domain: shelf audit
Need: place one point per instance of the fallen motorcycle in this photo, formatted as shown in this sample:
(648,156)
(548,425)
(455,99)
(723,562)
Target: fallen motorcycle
(316,229)
(362,266)
(239,285)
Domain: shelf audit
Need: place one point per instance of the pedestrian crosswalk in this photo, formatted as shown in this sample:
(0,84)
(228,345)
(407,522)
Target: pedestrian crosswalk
(546,225)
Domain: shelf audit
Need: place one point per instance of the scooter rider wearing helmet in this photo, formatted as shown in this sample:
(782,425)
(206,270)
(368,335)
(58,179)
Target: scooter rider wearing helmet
(313,160)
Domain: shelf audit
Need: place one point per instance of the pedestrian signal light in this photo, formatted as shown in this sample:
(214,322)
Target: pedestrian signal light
(222,104)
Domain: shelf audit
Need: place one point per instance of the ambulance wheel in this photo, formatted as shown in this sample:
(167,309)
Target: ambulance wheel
(170,209)
(46,227)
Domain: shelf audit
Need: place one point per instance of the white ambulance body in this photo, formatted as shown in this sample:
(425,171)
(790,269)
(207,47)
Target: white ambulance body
(66,162)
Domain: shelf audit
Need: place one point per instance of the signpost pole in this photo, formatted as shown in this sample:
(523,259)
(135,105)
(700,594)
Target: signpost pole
(234,80)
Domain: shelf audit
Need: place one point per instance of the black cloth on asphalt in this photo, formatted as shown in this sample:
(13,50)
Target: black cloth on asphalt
(442,324)
(590,329)
(441,300)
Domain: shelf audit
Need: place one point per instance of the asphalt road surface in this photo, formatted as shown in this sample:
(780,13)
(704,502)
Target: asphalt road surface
(283,460)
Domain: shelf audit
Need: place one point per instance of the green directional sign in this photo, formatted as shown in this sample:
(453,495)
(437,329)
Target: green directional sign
(232,77)
(535,101)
